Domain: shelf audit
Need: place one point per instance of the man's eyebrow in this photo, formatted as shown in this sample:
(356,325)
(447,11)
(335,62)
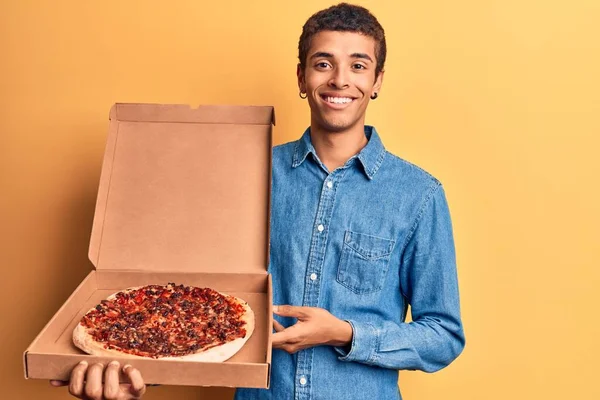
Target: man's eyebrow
(324,54)
(362,55)
(321,54)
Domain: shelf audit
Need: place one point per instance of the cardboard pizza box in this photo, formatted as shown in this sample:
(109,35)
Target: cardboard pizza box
(183,197)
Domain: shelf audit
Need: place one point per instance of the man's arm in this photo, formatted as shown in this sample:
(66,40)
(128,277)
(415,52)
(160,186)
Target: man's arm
(428,282)
(315,326)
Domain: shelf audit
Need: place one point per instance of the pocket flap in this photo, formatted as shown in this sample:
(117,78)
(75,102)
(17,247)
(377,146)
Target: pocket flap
(367,246)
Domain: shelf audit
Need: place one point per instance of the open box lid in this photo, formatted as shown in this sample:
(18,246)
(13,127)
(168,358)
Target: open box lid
(184,189)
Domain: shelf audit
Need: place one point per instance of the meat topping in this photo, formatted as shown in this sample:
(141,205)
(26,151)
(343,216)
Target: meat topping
(172,320)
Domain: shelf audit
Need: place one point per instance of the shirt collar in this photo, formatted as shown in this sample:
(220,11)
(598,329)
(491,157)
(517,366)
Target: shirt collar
(371,156)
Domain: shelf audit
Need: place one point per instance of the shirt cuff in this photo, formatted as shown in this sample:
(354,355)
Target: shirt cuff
(363,346)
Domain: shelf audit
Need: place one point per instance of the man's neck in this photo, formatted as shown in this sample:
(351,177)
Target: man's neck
(335,148)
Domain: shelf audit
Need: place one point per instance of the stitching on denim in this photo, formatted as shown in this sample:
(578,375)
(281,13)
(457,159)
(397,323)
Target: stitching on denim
(323,212)
(421,212)
(378,162)
(326,234)
(353,346)
(432,190)
(355,289)
(350,251)
(370,170)
(365,166)
(408,163)
(435,187)
(368,254)
(295,156)
(373,355)
(413,229)
(319,162)
(312,256)
(362,253)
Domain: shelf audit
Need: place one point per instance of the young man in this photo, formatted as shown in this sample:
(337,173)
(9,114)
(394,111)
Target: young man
(357,235)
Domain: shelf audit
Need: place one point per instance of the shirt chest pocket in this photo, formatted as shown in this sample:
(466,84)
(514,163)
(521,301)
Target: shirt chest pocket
(364,262)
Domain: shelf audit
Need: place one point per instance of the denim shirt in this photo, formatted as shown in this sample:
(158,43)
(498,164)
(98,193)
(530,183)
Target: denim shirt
(364,241)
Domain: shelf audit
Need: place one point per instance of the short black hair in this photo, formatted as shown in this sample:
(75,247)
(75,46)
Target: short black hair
(343,17)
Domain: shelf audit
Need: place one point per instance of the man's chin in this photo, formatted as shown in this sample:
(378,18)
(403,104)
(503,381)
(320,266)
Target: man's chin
(336,125)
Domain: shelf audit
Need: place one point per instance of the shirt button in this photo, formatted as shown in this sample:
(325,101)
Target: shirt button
(329,184)
(313,277)
(303,380)
(320,228)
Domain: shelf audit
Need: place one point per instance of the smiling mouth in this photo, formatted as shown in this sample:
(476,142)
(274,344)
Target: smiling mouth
(337,100)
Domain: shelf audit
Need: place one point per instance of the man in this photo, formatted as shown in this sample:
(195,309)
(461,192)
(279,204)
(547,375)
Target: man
(357,235)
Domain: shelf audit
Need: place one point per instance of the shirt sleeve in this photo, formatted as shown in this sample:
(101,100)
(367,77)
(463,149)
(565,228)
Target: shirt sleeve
(428,282)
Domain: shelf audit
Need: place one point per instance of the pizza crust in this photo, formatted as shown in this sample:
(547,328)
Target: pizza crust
(84,341)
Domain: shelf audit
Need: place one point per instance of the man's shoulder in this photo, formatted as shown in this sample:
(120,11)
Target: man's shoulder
(289,146)
(407,171)
(284,152)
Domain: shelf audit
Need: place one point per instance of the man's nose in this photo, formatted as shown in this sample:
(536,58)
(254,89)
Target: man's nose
(339,79)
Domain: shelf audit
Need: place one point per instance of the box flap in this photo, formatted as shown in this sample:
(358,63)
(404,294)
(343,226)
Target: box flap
(184,189)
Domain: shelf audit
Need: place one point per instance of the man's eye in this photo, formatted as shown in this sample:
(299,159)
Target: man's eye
(359,66)
(322,65)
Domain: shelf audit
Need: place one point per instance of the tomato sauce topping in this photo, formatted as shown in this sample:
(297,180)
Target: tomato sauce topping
(165,321)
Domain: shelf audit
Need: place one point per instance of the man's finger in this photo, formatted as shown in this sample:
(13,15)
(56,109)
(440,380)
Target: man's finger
(280,339)
(59,383)
(277,326)
(76,381)
(286,336)
(93,381)
(138,387)
(111,381)
(290,348)
(290,311)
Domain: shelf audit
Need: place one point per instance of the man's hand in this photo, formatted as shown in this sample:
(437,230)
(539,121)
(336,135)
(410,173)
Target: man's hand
(93,389)
(315,326)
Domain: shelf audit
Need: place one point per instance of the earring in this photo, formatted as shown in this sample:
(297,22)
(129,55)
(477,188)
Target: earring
(374,96)
(305,95)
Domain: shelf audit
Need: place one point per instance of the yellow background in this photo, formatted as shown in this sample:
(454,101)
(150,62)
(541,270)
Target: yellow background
(500,99)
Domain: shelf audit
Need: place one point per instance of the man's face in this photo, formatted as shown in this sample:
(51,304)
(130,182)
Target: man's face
(339,79)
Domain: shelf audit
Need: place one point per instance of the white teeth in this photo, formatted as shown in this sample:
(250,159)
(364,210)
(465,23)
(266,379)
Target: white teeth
(339,100)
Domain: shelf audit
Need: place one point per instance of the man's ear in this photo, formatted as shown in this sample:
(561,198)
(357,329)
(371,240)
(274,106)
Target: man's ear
(301,80)
(378,83)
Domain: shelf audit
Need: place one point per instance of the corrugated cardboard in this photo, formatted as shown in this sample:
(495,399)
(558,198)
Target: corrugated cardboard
(183,197)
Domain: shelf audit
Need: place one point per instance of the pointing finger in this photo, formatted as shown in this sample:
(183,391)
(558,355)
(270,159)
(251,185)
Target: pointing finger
(290,311)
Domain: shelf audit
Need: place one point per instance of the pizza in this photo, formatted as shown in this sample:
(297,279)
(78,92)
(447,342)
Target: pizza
(173,322)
